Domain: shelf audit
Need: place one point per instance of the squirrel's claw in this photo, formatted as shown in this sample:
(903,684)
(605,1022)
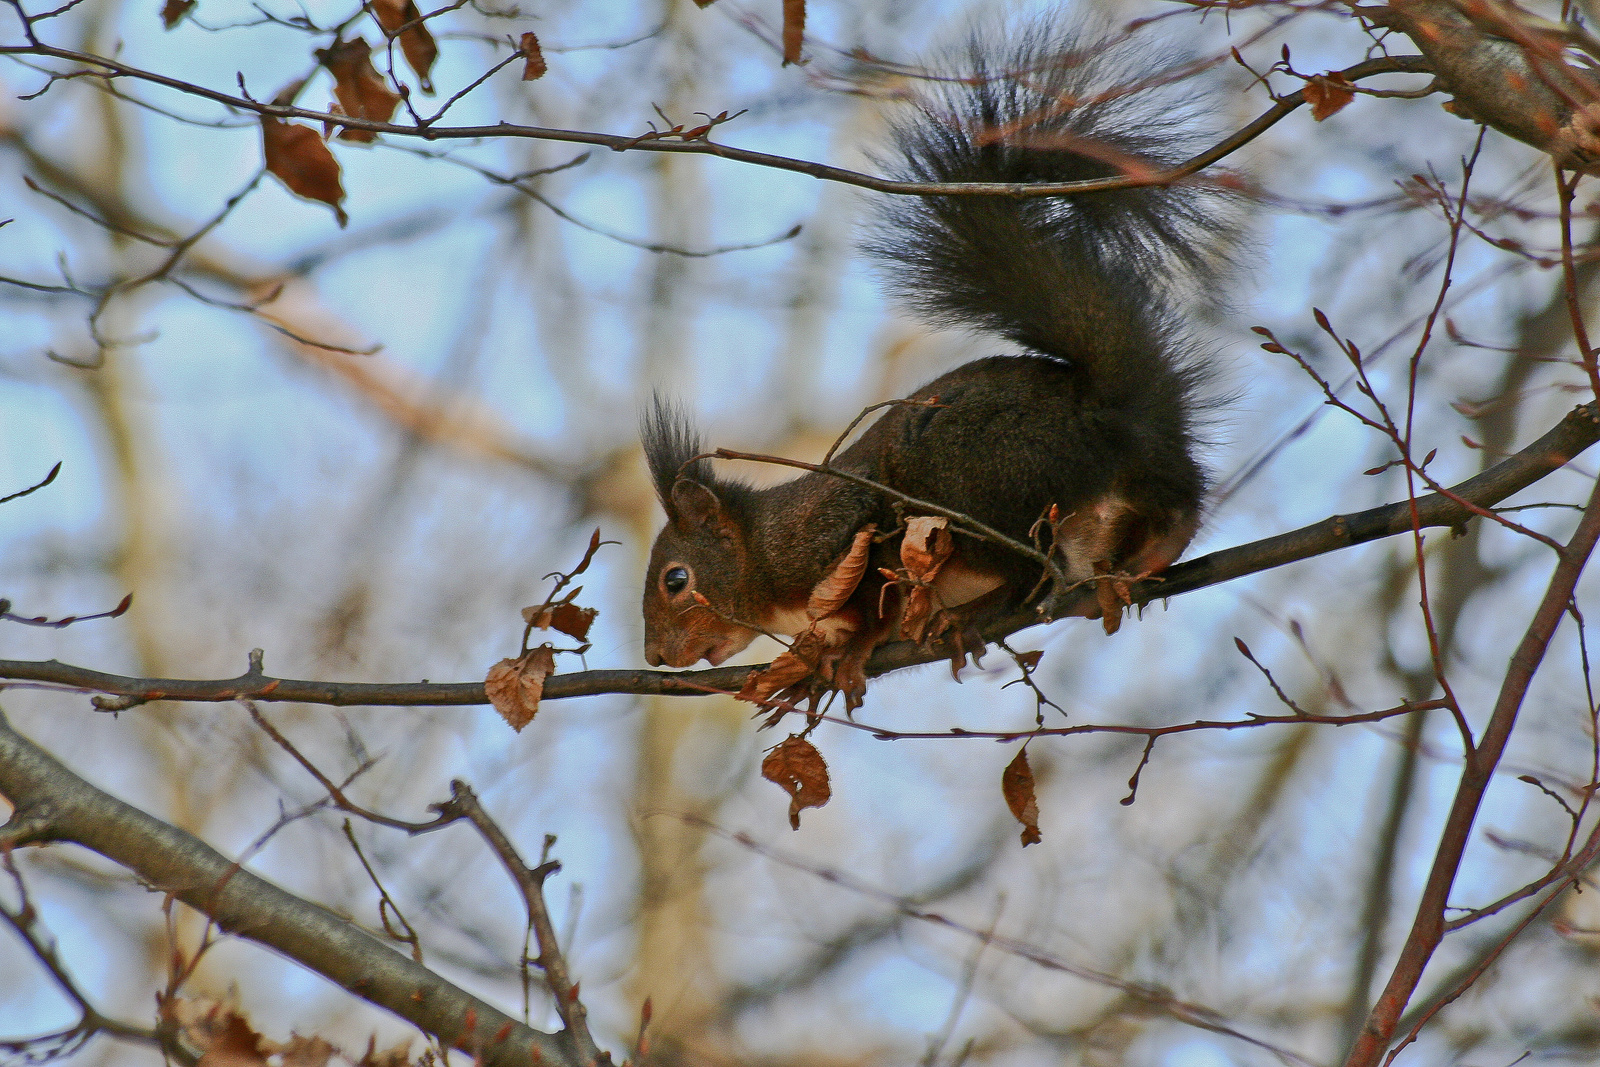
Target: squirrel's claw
(956,629)
(1113,593)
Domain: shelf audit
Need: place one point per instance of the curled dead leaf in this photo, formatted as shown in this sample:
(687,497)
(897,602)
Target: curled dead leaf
(923,550)
(799,768)
(926,545)
(842,578)
(305,1052)
(360,89)
(1328,94)
(514,686)
(172,12)
(565,616)
(223,1036)
(916,611)
(397,1055)
(779,675)
(1017,785)
(573,620)
(533,66)
(300,159)
(416,41)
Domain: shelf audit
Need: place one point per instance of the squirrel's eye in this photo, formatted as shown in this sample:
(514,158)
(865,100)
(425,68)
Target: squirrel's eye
(676,579)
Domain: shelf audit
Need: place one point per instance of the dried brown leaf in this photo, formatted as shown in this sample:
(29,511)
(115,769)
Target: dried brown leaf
(1017,785)
(573,620)
(916,611)
(514,686)
(223,1036)
(172,12)
(305,1052)
(330,127)
(303,162)
(234,1044)
(841,580)
(565,616)
(398,1055)
(926,545)
(798,767)
(534,65)
(416,41)
(360,89)
(779,675)
(794,30)
(923,550)
(1328,94)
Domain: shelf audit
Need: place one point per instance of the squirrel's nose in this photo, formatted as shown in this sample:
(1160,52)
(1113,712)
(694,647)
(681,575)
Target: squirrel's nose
(652,656)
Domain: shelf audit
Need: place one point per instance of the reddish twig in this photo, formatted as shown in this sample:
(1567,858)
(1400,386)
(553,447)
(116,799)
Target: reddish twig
(1428,928)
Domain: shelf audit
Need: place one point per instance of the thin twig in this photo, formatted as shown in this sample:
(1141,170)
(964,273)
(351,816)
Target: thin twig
(1428,928)
(1155,999)
(463,803)
(115,68)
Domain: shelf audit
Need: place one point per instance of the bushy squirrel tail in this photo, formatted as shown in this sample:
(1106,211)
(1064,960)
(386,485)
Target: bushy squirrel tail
(1087,279)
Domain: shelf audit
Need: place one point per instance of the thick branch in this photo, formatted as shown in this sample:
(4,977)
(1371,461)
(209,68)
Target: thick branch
(1506,68)
(54,804)
(1576,432)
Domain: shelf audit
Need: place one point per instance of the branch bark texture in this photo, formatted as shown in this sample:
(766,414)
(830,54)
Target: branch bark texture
(1506,69)
(55,805)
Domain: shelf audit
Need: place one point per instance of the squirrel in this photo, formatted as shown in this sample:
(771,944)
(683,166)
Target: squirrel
(1088,434)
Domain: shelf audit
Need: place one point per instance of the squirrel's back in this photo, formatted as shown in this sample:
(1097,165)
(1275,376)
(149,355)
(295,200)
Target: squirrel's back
(1090,279)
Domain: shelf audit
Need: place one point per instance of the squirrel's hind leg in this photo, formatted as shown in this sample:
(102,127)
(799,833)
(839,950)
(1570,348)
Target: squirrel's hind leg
(1113,544)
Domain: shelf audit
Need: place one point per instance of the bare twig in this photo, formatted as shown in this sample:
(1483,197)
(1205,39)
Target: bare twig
(463,804)
(35,487)
(108,67)
(1428,929)
(335,792)
(25,921)
(1152,999)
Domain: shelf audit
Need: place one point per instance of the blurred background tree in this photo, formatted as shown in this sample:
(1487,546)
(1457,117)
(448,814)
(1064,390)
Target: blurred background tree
(364,448)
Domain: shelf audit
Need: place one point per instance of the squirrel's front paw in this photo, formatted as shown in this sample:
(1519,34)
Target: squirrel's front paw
(815,664)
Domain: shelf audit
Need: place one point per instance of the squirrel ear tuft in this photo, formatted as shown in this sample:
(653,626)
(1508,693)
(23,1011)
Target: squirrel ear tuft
(694,505)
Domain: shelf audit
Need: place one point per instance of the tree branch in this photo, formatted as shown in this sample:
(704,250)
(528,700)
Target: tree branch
(1505,67)
(698,145)
(1576,432)
(463,804)
(52,804)
(1429,928)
